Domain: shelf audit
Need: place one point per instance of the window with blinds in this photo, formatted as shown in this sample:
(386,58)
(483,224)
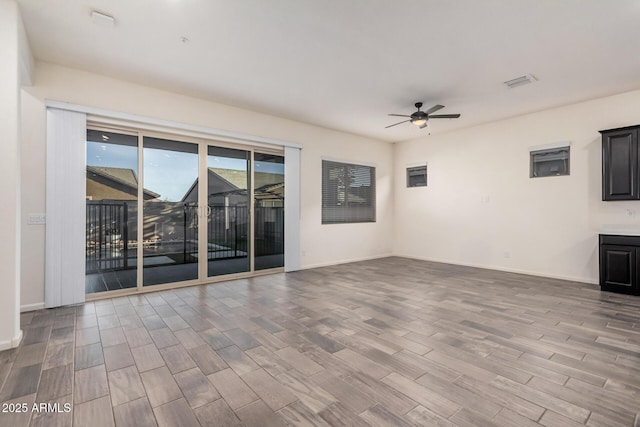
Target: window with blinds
(348,193)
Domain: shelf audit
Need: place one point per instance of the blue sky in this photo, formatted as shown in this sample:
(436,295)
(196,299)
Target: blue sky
(168,173)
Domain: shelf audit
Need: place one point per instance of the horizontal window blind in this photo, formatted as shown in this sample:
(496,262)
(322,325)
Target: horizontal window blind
(348,193)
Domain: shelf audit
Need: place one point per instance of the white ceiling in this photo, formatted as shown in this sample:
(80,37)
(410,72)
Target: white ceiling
(345,64)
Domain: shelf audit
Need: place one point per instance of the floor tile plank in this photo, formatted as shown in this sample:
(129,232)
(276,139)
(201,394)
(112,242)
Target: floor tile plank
(177,358)
(55,382)
(257,414)
(196,387)
(22,381)
(207,360)
(299,361)
(125,385)
(234,391)
(237,360)
(160,386)
(147,357)
(274,394)
(88,356)
(117,357)
(298,414)
(137,413)
(94,413)
(176,413)
(217,414)
(344,393)
(90,384)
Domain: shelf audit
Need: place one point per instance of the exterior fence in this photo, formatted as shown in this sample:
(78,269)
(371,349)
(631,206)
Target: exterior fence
(227,232)
(269,230)
(107,236)
(108,233)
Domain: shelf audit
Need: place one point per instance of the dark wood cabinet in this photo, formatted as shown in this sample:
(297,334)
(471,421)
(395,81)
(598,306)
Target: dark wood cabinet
(620,161)
(620,263)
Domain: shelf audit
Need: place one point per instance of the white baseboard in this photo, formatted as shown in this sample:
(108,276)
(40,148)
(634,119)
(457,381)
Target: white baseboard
(13,343)
(344,261)
(31,307)
(587,280)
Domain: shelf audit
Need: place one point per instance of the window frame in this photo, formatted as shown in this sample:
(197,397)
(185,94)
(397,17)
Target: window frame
(543,151)
(412,168)
(347,211)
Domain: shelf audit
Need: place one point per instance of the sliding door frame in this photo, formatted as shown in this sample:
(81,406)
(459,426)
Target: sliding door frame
(203,144)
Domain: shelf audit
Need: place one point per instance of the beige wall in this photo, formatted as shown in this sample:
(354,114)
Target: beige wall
(481,208)
(320,244)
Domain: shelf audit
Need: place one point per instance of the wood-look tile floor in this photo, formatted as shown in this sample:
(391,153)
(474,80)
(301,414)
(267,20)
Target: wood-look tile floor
(390,342)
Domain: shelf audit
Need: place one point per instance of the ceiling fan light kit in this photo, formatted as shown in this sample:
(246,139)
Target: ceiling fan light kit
(420,118)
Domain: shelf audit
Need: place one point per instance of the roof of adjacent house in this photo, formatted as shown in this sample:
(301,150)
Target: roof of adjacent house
(239,177)
(122,176)
(228,181)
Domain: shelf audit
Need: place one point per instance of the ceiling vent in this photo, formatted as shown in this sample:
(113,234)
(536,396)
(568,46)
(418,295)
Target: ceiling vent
(520,81)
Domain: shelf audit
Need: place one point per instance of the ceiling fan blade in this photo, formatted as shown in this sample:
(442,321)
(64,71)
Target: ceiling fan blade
(444,116)
(399,115)
(434,109)
(405,121)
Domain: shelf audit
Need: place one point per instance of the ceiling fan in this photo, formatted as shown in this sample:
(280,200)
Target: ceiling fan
(419,118)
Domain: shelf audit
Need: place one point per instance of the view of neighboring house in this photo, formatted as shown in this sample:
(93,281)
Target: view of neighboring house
(111,195)
(106,183)
(228,187)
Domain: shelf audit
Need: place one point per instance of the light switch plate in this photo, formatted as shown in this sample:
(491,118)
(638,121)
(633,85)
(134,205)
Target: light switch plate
(37,219)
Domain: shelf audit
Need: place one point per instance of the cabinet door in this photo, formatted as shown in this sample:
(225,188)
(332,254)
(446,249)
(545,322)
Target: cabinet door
(620,165)
(619,268)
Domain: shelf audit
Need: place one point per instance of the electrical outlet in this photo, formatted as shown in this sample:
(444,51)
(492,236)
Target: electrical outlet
(507,254)
(631,212)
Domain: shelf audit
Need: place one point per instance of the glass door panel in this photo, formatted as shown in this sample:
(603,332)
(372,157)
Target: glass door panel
(227,211)
(268,211)
(170,222)
(111,221)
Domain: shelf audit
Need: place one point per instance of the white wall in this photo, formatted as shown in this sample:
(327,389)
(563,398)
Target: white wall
(320,244)
(481,208)
(10,22)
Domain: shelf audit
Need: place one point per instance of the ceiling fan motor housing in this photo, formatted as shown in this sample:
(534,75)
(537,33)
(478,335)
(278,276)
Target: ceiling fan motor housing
(419,115)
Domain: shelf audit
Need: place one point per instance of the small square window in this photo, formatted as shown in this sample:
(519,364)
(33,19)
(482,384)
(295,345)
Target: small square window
(417,176)
(550,162)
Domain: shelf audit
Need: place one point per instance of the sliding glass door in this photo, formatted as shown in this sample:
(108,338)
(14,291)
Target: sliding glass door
(150,222)
(269,211)
(228,211)
(170,224)
(112,209)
